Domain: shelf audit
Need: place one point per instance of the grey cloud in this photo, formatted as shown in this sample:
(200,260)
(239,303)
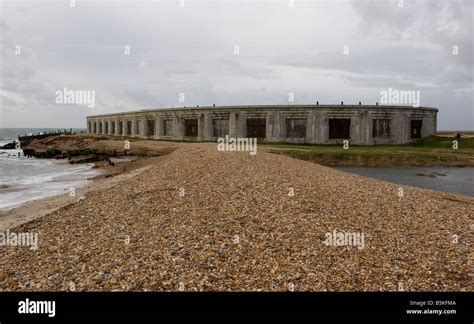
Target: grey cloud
(190,50)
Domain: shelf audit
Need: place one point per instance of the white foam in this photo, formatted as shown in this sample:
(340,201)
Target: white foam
(32,179)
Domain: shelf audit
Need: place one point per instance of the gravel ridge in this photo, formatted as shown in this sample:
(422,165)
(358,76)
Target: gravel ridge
(204,220)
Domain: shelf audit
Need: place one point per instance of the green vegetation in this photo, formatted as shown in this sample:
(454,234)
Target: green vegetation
(432,151)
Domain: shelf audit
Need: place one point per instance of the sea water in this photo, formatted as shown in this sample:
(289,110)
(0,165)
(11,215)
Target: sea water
(448,179)
(25,179)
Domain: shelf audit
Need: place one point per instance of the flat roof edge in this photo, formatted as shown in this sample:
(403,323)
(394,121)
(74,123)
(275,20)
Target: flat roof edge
(191,108)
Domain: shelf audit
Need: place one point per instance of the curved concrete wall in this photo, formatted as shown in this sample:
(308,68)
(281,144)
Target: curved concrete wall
(315,124)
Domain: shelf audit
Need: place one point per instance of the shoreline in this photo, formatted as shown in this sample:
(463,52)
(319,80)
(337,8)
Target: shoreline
(108,178)
(121,167)
(37,186)
(128,166)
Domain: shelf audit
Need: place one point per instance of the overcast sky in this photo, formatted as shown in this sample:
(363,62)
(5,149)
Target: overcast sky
(283,47)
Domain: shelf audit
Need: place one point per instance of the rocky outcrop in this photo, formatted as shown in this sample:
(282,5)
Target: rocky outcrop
(87,149)
(9,146)
(50,153)
(74,157)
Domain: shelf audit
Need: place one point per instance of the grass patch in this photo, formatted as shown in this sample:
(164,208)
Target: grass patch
(432,151)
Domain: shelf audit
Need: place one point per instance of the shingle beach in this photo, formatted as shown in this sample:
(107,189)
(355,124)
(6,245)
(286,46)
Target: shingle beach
(204,220)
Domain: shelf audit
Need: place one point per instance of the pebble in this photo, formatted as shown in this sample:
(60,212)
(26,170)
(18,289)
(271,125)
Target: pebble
(236,228)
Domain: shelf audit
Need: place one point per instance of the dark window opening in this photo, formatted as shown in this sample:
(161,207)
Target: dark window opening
(296,128)
(381,128)
(168,128)
(120,127)
(256,128)
(191,127)
(138,125)
(106,127)
(339,128)
(129,127)
(416,128)
(221,127)
(112,130)
(150,127)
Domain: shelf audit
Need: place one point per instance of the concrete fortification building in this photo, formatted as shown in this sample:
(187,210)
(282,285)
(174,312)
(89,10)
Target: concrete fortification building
(313,124)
